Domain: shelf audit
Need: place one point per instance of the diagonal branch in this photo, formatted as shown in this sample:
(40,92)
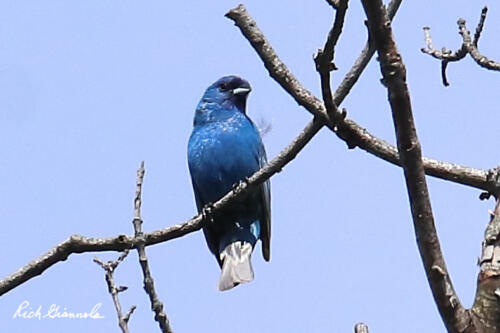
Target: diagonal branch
(276,68)
(348,130)
(361,62)
(455,317)
(149,286)
(81,244)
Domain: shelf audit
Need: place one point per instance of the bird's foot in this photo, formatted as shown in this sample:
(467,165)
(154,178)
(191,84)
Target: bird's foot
(241,185)
(207,213)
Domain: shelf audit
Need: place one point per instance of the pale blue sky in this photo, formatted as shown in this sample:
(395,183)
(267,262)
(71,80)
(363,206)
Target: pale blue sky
(90,88)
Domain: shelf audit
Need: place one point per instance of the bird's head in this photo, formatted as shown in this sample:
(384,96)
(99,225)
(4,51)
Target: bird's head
(226,94)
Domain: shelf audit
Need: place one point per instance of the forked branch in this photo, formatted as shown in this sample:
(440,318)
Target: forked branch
(348,130)
(469,46)
(110,267)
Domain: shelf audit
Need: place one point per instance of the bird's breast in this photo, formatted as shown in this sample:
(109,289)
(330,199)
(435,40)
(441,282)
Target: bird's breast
(221,155)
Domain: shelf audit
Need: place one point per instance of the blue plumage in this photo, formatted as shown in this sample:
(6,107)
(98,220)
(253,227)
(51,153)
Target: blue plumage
(225,147)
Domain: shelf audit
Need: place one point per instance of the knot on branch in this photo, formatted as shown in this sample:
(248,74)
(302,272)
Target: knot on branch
(351,139)
(393,69)
(323,63)
(493,184)
(122,239)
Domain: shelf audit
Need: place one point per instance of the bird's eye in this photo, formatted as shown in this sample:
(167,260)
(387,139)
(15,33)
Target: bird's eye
(223,86)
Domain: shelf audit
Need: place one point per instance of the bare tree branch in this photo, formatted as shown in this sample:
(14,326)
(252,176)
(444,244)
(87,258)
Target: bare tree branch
(324,61)
(445,55)
(277,69)
(469,46)
(110,267)
(81,244)
(482,179)
(480,25)
(149,286)
(393,70)
(361,62)
(348,130)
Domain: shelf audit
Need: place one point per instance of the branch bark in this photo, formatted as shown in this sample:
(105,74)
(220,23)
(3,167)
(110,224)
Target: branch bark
(455,317)
(469,46)
(109,267)
(348,130)
(324,62)
(81,244)
(486,309)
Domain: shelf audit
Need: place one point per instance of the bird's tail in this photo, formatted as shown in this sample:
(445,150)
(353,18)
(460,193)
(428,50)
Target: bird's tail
(236,267)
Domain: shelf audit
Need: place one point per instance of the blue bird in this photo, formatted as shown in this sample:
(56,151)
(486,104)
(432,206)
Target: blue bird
(225,148)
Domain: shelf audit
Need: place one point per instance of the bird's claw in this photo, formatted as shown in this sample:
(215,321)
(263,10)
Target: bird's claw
(238,187)
(207,212)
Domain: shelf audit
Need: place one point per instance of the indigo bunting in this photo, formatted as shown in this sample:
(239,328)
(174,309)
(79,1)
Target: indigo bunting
(225,148)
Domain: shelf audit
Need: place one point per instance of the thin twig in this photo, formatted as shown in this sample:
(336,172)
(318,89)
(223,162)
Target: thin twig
(393,70)
(149,287)
(446,56)
(361,328)
(110,267)
(480,26)
(276,68)
(469,46)
(324,61)
(443,54)
(472,49)
(360,64)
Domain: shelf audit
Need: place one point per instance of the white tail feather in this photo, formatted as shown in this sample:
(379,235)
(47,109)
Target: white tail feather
(236,267)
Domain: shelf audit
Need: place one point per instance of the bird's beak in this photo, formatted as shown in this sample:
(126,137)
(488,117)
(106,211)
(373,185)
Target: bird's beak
(241,91)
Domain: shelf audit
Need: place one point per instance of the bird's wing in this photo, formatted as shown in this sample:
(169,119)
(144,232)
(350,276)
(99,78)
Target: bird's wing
(212,241)
(265,198)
